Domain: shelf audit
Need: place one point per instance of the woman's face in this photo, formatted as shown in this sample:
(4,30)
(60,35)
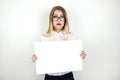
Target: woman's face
(58,20)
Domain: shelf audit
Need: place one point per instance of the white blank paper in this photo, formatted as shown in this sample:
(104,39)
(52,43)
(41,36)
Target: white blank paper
(58,56)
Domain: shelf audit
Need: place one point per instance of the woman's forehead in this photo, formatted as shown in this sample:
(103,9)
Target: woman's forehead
(57,12)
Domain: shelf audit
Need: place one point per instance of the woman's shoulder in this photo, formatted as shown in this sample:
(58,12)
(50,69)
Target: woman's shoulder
(72,36)
(45,37)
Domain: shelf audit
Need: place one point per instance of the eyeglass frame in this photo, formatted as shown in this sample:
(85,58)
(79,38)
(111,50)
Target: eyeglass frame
(58,18)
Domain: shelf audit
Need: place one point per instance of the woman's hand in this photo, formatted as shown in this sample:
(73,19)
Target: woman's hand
(83,55)
(34,58)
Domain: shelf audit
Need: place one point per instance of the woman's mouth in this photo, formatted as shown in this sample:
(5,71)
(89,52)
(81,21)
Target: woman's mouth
(58,23)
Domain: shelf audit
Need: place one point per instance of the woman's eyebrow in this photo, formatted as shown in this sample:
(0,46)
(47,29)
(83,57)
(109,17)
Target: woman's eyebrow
(57,15)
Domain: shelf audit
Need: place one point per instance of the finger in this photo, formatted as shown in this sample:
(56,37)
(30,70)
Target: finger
(81,54)
(83,51)
(36,57)
(83,57)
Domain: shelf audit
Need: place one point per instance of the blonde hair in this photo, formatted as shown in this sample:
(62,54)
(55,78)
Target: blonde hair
(66,24)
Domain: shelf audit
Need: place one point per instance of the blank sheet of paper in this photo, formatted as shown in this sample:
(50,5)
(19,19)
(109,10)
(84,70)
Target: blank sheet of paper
(58,56)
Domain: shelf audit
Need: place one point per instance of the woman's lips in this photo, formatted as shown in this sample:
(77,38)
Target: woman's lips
(58,23)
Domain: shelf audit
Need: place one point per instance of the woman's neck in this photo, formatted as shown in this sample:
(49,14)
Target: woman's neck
(57,30)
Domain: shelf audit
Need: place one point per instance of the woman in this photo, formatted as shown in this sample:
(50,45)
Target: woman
(58,30)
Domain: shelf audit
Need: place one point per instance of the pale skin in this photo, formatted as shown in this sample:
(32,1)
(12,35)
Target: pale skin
(58,26)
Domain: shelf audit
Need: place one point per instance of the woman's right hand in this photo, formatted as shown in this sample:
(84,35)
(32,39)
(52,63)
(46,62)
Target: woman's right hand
(34,58)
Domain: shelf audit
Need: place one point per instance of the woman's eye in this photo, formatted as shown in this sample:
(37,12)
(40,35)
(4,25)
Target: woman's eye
(58,17)
(54,16)
(61,16)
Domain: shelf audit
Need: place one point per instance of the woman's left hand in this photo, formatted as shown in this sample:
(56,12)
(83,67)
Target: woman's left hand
(83,54)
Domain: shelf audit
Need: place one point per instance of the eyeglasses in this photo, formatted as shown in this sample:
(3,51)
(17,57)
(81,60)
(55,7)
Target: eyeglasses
(61,18)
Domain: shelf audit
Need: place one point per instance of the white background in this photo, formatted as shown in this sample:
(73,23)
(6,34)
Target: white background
(97,22)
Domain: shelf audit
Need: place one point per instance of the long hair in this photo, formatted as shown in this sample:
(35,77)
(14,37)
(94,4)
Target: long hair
(66,24)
